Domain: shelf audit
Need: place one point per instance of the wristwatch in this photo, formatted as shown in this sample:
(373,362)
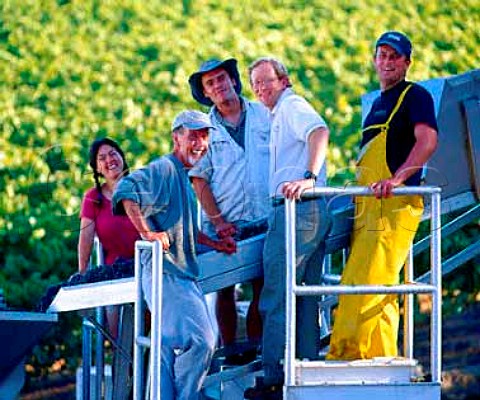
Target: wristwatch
(310,175)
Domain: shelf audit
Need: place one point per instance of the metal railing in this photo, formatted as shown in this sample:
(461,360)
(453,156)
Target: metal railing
(91,325)
(113,384)
(87,349)
(409,288)
(141,340)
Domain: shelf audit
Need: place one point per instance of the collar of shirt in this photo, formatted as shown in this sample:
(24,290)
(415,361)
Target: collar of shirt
(395,90)
(178,164)
(236,131)
(228,124)
(287,92)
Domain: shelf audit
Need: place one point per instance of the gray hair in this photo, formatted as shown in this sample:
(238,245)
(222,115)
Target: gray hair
(179,131)
(279,68)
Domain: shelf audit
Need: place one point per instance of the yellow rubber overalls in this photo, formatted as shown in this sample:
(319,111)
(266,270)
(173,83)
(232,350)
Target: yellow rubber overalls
(366,326)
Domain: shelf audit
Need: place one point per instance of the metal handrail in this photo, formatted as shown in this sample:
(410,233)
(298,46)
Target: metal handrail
(366,191)
(449,228)
(99,311)
(434,287)
(87,341)
(155,341)
(405,288)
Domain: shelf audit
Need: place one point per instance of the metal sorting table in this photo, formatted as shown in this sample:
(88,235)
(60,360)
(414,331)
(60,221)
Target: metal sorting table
(217,270)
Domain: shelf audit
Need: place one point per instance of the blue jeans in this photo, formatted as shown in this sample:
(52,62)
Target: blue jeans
(312,227)
(188,341)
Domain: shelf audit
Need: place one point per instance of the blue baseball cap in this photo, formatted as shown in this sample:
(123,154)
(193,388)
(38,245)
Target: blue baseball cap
(195,80)
(397,40)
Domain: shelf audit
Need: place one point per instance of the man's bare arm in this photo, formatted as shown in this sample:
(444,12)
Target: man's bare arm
(209,205)
(425,146)
(140,223)
(317,149)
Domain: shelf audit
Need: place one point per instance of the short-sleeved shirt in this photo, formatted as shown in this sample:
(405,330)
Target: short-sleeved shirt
(236,131)
(417,107)
(238,177)
(294,119)
(115,232)
(166,199)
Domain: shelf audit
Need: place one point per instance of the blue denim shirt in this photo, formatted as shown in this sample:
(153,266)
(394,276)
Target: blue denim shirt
(164,194)
(238,177)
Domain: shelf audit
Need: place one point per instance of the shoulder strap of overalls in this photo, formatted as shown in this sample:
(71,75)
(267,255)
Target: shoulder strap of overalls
(386,124)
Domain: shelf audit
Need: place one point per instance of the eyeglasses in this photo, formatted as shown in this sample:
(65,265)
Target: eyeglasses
(264,82)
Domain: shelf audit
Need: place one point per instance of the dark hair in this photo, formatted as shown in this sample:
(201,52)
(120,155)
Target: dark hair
(94,148)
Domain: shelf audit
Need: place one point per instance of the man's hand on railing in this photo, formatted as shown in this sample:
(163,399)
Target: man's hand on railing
(225,245)
(160,236)
(294,189)
(225,229)
(384,188)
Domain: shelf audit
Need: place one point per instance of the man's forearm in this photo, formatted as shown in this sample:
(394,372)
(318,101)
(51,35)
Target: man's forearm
(425,145)
(207,200)
(136,217)
(317,149)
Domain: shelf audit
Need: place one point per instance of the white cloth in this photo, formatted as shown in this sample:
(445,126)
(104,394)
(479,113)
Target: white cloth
(293,121)
(238,178)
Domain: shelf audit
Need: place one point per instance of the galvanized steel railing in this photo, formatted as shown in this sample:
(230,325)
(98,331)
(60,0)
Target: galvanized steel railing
(409,288)
(141,340)
(87,348)
(155,340)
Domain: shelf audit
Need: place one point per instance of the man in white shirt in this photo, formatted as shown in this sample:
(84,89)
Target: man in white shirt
(298,147)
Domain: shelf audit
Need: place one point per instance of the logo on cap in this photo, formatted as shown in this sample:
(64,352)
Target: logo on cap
(397,40)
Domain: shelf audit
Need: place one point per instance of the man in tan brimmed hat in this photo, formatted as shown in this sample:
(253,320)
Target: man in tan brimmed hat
(231,180)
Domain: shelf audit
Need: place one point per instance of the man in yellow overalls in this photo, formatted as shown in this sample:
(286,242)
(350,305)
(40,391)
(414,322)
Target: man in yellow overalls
(399,136)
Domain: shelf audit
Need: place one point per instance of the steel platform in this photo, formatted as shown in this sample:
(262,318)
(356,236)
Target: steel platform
(410,391)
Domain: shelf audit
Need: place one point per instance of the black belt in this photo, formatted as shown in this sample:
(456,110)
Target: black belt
(280,201)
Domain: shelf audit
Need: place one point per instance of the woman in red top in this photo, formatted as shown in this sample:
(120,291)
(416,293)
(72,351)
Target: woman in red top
(116,233)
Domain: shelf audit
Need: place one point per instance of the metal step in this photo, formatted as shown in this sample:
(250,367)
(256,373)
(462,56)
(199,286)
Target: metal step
(231,381)
(380,370)
(385,377)
(410,391)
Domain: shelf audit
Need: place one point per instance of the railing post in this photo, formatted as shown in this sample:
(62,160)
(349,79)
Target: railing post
(99,349)
(436,280)
(138,328)
(290,292)
(99,355)
(156,330)
(408,309)
(86,358)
